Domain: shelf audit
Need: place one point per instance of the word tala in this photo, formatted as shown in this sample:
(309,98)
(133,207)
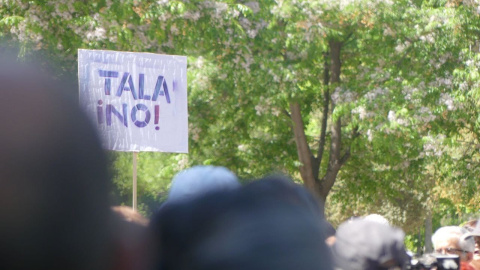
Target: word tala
(126,84)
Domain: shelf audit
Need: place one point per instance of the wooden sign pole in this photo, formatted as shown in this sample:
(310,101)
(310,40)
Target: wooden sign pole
(134,198)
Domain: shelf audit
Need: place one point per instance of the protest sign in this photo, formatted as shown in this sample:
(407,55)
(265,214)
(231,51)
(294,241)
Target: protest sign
(137,101)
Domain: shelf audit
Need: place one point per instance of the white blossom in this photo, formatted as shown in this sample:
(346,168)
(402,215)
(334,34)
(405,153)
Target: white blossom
(199,62)
(222,76)
(242,147)
(235,13)
(194,132)
(361,111)
(463,86)
(291,56)
(220,9)
(113,38)
(405,164)
(370,135)
(174,30)
(252,33)
(98,34)
(341,95)
(254,6)
(430,38)
(245,23)
(335,95)
(169,43)
(391,116)
(206,4)
(381,62)
(400,48)
(260,109)
(447,100)
(433,146)
(275,111)
(388,32)
(402,121)
(377,92)
(183,163)
(193,16)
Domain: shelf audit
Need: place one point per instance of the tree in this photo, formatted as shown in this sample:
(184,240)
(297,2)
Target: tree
(430,118)
(373,101)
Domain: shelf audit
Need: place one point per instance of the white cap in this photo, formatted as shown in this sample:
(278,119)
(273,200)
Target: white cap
(476,230)
(377,218)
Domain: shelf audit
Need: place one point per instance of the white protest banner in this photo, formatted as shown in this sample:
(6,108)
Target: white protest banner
(138,101)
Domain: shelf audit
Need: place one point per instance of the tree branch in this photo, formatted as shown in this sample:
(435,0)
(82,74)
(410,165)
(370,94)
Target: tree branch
(303,150)
(335,142)
(323,128)
(334,162)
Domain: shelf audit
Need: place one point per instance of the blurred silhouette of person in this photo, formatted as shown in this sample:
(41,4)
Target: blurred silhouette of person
(191,183)
(377,218)
(266,224)
(126,213)
(454,240)
(473,227)
(364,244)
(54,184)
(133,240)
(199,180)
(330,234)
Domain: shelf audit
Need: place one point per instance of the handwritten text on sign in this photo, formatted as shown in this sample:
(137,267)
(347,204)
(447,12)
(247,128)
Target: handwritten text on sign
(137,100)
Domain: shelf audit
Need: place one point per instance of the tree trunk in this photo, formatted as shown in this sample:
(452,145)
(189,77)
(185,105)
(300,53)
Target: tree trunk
(428,232)
(310,168)
(303,149)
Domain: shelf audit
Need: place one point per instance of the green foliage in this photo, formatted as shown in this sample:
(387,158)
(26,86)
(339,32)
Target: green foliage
(409,84)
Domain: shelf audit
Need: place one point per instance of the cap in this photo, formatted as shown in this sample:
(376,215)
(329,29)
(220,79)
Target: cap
(363,244)
(199,180)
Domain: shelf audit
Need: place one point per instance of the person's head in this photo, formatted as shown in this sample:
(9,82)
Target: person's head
(261,226)
(363,244)
(473,227)
(329,233)
(199,180)
(377,218)
(453,240)
(129,215)
(133,244)
(54,185)
(281,186)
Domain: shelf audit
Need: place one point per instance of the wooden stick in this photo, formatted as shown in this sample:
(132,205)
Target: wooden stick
(134,198)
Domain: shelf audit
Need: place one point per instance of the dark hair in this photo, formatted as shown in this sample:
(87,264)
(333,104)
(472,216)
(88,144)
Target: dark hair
(54,184)
(263,225)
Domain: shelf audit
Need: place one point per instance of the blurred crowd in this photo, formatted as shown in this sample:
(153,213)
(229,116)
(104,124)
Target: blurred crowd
(55,211)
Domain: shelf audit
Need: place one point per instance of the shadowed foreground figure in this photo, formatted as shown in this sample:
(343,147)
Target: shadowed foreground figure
(199,180)
(54,211)
(363,244)
(133,244)
(455,240)
(473,227)
(267,224)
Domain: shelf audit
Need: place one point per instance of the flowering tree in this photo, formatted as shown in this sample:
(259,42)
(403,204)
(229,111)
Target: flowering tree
(425,95)
(375,100)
